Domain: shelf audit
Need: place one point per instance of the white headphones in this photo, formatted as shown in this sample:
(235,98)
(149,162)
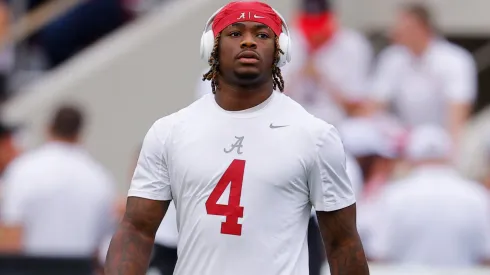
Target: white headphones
(207,40)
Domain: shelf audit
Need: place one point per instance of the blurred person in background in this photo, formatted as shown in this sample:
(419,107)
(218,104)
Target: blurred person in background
(485,176)
(8,149)
(434,216)
(329,72)
(424,78)
(6,51)
(57,199)
(374,152)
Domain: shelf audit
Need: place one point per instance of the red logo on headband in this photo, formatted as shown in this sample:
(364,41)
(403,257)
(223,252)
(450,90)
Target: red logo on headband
(247,11)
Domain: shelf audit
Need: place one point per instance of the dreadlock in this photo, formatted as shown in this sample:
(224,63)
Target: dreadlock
(213,61)
(212,74)
(278,81)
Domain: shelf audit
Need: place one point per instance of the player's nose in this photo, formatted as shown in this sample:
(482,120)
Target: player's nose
(248,42)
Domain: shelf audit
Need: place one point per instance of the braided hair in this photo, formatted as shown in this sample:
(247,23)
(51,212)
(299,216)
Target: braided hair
(212,74)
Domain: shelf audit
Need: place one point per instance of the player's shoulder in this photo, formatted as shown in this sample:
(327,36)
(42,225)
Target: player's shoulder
(316,128)
(398,187)
(473,190)
(33,161)
(33,157)
(451,53)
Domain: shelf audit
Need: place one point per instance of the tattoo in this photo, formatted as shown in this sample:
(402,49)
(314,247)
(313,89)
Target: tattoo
(131,246)
(342,242)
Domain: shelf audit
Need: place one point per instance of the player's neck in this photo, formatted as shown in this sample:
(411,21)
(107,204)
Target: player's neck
(419,48)
(233,98)
(70,141)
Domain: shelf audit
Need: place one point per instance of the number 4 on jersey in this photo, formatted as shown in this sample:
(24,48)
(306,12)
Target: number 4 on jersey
(232,211)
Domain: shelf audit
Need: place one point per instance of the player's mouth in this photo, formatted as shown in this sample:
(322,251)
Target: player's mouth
(248,57)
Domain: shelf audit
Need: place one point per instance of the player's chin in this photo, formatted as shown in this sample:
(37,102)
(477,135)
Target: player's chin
(248,72)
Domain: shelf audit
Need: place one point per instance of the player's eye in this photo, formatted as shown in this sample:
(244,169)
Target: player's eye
(234,34)
(263,35)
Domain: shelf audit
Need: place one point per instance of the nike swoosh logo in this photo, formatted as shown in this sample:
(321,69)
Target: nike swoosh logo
(277,126)
(258,17)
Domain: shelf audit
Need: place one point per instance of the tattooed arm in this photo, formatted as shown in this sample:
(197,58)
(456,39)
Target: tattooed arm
(342,243)
(131,246)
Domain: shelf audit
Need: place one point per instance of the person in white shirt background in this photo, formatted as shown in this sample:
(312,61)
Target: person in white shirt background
(373,152)
(486,175)
(8,148)
(57,200)
(422,77)
(330,69)
(434,216)
(368,144)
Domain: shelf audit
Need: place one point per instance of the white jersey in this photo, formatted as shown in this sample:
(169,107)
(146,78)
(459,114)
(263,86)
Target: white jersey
(61,198)
(434,217)
(243,183)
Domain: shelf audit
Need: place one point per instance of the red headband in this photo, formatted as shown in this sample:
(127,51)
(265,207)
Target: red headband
(247,11)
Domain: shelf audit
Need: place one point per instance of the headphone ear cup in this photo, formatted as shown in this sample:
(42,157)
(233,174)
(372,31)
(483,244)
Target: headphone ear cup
(284,44)
(207,45)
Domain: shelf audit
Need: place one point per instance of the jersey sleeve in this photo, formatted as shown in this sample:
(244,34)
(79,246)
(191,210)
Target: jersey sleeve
(328,183)
(151,178)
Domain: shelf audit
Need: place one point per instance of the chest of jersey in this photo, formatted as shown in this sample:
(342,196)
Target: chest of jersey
(240,167)
(272,152)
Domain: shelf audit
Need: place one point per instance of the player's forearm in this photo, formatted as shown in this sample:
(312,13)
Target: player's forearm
(129,251)
(347,258)
(342,242)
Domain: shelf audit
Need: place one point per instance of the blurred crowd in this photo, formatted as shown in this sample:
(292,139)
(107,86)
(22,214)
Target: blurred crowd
(401,114)
(35,39)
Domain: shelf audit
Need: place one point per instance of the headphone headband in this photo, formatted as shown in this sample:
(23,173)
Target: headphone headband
(283,21)
(207,38)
